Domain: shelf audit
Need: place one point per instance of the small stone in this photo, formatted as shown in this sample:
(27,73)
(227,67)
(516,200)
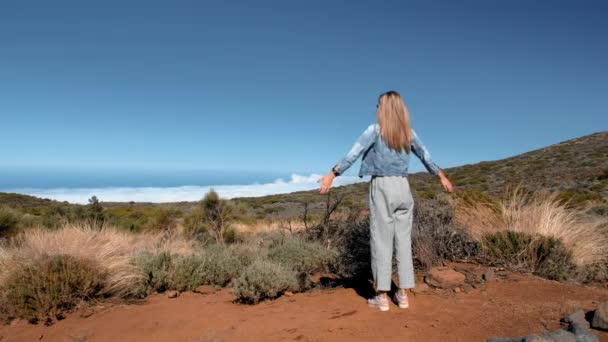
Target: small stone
(488,275)
(457,290)
(16,321)
(288,293)
(172,294)
(87,312)
(420,288)
(600,316)
(444,278)
(204,289)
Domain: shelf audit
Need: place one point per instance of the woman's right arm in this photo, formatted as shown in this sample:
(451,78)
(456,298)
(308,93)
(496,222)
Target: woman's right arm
(425,157)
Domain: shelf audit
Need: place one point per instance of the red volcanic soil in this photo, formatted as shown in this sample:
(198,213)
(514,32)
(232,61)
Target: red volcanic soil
(516,306)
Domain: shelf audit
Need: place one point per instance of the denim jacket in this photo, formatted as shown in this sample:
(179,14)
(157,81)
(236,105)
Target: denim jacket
(380,160)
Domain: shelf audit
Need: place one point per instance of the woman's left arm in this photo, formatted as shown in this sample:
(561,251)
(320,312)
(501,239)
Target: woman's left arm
(425,157)
(365,140)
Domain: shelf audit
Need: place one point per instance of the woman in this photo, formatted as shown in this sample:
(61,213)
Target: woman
(386,148)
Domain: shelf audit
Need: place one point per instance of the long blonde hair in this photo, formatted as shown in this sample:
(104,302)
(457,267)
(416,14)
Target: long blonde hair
(394,120)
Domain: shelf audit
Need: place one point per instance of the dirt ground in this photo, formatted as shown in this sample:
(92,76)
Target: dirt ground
(518,305)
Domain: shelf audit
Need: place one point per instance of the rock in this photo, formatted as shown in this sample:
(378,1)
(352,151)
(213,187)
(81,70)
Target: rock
(600,316)
(457,290)
(172,294)
(577,320)
(558,335)
(512,339)
(578,325)
(420,288)
(444,278)
(488,275)
(204,289)
(288,293)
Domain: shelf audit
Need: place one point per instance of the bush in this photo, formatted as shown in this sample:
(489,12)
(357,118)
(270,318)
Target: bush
(535,214)
(223,264)
(9,220)
(264,279)
(215,265)
(435,238)
(46,288)
(302,256)
(544,256)
(157,270)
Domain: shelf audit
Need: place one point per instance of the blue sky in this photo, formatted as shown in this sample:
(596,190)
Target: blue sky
(286,87)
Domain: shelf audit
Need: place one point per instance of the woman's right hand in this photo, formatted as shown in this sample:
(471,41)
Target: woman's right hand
(325,182)
(445,182)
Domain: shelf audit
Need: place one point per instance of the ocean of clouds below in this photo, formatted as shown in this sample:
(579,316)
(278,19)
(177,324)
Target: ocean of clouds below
(183,193)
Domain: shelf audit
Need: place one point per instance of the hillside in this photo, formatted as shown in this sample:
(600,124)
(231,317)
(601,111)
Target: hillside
(577,168)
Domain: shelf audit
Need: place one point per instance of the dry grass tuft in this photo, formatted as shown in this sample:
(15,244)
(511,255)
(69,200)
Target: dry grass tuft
(537,214)
(110,249)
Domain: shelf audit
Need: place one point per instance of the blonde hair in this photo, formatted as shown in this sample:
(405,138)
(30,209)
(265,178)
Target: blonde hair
(394,120)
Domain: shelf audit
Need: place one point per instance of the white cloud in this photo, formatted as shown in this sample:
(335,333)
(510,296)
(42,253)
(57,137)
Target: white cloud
(182,193)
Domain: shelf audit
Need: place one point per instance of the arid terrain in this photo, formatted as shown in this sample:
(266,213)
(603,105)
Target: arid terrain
(521,244)
(513,305)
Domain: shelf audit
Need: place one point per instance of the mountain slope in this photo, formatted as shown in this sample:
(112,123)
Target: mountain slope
(577,168)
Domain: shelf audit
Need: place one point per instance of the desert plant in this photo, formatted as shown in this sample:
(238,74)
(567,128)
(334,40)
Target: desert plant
(223,264)
(302,256)
(217,215)
(171,272)
(264,279)
(95,212)
(45,288)
(194,224)
(534,214)
(435,237)
(545,256)
(157,269)
(9,220)
(111,249)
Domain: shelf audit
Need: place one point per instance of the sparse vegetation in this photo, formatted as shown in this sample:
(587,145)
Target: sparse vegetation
(264,279)
(9,220)
(45,288)
(541,214)
(544,256)
(302,256)
(140,248)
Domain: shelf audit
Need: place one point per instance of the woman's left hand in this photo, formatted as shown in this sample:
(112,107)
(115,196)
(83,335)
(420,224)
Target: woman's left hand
(325,182)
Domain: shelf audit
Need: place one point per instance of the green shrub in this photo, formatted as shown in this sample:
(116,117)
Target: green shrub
(577,198)
(44,289)
(194,226)
(544,256)
(157,269)
(215,265)
(171,272)
(188,272)
(302,256)
(222,264)
(264,279)
(247,253)
(9,220)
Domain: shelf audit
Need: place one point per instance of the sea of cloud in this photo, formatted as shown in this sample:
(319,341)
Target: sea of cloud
(183,193)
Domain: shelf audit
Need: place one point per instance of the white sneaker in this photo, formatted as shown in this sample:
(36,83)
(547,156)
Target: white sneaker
(379,302)
(402,301)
